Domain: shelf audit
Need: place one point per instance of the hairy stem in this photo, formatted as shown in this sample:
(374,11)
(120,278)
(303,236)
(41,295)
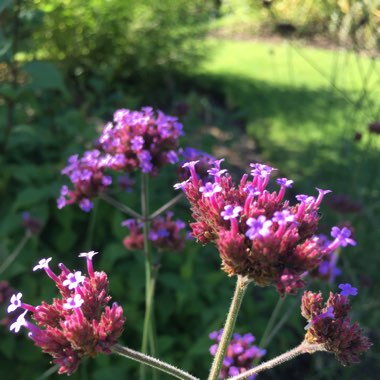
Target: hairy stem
(146,360)
(149,280)
(241,287)
(303,348)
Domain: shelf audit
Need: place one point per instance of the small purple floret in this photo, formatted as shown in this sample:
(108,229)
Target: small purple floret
(342,236)
(231,212)
(73,302)
(209,189)
(73,280)
(259,227)
(348,290)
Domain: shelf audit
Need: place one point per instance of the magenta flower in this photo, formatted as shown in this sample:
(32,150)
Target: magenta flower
(269,240)
(330,325)
(165,234)
(78,324)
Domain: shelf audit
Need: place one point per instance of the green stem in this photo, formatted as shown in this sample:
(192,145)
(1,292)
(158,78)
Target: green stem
(149,280)
(271,322)
(120,206)
(166,206)
(152,362)
(303,348)
(241,287)
(13,256)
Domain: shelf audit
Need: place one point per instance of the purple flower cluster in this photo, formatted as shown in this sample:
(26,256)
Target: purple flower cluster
(136,140)
(145,139)
(259,234)
(240,355)
(165,233)
(330,325)
(87,177)
(76,325)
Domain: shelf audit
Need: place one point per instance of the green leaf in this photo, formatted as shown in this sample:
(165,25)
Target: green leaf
(44,76)
(33,195)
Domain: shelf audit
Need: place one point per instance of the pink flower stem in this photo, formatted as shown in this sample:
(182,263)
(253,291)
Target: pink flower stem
(303,348)
(90,268)
(28,307)
(281,194)
(52,275)
(79,314)
(234,226)
(241,286)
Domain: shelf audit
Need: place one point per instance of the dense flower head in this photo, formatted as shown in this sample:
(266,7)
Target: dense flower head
(165,233)
(145,139)
(330,325)
(240,355)
(259,234)
(87,175)
(77,324)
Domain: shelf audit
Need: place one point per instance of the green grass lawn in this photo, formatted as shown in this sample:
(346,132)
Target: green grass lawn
(294,96)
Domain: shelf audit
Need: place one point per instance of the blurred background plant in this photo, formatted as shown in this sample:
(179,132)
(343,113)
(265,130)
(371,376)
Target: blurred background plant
(246,88)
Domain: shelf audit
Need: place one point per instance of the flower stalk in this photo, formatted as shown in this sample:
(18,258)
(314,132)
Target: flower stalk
(241,286)
(13,256)
(149,280)
(146,360)
(303,348)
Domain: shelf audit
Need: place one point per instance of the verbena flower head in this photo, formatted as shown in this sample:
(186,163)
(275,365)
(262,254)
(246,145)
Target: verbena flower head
(88,178)
(329,324)
(145,139)
(77,324)
(165,233)
(240,355)
(259,235)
